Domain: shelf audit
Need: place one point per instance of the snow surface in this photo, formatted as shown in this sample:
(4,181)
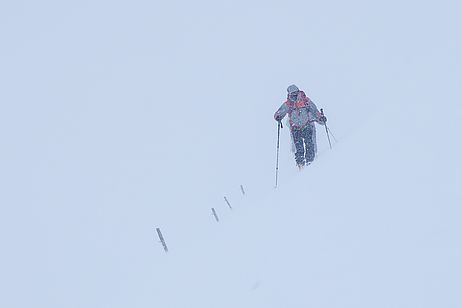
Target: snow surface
(117,118)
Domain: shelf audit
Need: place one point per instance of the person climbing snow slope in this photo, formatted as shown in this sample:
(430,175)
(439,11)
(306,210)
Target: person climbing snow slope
(302,114)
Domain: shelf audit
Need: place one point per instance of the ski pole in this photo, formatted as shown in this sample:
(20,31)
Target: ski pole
(331,133)
(279,125)
(326,129)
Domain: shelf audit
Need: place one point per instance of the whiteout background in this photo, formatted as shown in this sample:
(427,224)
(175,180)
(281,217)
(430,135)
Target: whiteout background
(118,117)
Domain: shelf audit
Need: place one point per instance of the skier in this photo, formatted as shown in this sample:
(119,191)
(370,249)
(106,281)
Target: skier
(302,114)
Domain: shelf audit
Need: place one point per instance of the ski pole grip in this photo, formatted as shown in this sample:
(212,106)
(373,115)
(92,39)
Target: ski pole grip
(321,111)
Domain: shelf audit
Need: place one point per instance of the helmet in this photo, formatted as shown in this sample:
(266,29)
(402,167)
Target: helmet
(292,89)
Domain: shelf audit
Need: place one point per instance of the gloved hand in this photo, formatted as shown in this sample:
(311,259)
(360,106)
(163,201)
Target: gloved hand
(278,118)
(323,119)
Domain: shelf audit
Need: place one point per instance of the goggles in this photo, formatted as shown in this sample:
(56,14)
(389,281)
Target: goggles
(293,95)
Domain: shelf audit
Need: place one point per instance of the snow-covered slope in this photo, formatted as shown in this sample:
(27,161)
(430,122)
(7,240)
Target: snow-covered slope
(376,227)
(117,118)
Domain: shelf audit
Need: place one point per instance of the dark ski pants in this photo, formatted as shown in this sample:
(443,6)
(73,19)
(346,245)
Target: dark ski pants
(304,144)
